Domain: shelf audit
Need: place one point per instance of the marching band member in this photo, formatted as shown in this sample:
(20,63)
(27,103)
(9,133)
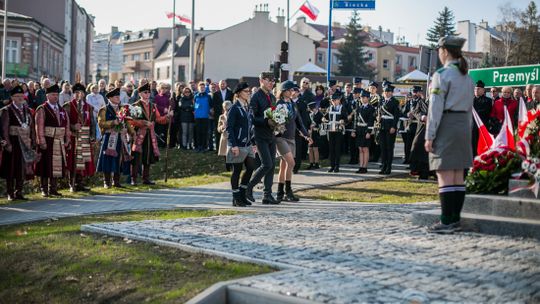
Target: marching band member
(365,117)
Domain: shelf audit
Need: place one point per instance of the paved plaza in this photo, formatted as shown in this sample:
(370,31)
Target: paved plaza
(356,253)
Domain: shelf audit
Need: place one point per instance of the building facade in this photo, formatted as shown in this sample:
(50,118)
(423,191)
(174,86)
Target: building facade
(248,48)
(32,49)
(107,52)
(67,18)
(482,38)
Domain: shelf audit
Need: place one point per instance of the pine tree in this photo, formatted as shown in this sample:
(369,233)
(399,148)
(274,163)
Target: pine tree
(351,55)
(444,26)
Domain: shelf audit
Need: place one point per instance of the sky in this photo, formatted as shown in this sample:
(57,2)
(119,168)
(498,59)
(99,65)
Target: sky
(408,18)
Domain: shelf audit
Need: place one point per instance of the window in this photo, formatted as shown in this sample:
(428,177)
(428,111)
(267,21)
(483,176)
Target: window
(168,72)
(158,73)
(146,74)
(181,73)
(146,55)
(125,59)
(412,61)
(12,51)
(320,57)
(398,59)
(386,64)
(135,57)
(336,60)
(369,56)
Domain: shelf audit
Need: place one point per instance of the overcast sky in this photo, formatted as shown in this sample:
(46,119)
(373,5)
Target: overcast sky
(409,18)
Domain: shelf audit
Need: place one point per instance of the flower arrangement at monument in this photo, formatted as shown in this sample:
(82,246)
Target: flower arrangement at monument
(279,115)
(529,150)
(492,170)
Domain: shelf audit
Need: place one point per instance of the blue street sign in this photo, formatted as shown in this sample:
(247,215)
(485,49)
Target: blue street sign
(354,4)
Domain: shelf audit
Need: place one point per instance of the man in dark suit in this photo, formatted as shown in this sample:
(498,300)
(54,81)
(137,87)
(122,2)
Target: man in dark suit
(264,139)
(388,116)
(224,93)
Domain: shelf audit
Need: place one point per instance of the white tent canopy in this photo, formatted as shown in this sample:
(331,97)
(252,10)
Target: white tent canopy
(310,68)
(415,75)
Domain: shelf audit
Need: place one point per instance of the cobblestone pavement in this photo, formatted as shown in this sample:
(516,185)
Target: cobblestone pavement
(206,196)
(358,253)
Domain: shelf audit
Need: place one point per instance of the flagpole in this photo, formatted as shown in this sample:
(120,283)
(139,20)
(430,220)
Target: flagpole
(4,41)
(192,41)
(328,63)
(173,45)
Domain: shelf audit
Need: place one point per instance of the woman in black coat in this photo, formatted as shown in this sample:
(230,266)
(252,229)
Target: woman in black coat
(185,118)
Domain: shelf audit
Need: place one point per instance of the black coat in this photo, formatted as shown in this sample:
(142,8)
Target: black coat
(184,109)
(392,107)
(217,101)
(259,102)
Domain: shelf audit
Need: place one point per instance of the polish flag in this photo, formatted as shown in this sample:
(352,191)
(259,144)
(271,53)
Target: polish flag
(523,118)
(184,19)
(506,135)
(170,15)
(311,11)
(485,139)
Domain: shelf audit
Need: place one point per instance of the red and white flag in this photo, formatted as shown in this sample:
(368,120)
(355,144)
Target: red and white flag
(311,11)
(184,19)
(523,118)
(506,135)
(485,139)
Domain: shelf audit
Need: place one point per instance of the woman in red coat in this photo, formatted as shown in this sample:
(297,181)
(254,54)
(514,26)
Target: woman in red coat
(497,112)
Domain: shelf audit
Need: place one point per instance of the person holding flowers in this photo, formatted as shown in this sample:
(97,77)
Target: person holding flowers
(115,149)
(285,142)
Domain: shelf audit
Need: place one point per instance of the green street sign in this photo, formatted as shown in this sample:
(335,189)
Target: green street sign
(520,75)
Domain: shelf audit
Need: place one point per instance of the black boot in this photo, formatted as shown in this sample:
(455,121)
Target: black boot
(268,199)
(242,194)
(280,192)
(316,166)
(289,196)
(249,195)
(311,166)
(237,201)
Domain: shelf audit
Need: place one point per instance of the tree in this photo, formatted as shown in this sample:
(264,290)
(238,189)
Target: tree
(486,61)
(444,26)
(352,57)
(527,51)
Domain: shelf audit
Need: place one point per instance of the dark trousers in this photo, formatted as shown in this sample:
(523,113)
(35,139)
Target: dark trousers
(335,140)
(374,151)
(211,130)
(267,153)
(249,164)
(353,149)
(201,126)
(301,151)
(387,142)
(14,186)
(48,184)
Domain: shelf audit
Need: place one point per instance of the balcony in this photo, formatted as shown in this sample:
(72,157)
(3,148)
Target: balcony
(132,65)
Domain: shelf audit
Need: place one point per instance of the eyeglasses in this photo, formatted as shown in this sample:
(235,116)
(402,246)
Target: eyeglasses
(246,91)
(270,80)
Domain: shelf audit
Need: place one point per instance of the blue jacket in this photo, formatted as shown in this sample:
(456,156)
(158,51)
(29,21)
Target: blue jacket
(239,126)
(203,104)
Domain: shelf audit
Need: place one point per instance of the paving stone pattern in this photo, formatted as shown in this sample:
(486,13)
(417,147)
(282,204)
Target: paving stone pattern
(359,253)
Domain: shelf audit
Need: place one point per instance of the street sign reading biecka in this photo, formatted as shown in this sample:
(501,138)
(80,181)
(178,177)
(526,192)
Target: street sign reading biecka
(520,75)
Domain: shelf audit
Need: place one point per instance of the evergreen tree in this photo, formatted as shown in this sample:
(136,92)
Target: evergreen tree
(351,55)
(444,26)
(528,35)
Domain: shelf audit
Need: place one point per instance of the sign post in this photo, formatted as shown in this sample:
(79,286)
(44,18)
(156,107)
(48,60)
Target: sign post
(520,75)
(347,5)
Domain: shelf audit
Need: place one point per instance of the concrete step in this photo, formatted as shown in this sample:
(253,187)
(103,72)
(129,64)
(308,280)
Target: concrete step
(231,293)
(503,206)
(483,223)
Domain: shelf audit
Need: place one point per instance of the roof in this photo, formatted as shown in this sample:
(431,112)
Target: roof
(415,75)
(140,35)
(310,68)
(181,48)
(406,49)
(375,44)
(338,32)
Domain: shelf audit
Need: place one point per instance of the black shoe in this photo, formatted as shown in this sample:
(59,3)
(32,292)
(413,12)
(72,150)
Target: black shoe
(311,166)
(82,188)
(249,195)
(242,196)
(336,170)
(280,196)
(118,186)
(269,200)
(382,172)
(364,170)
(148,182)
(330,170)
(290,197)
(387,172)
(360,170)
(316,166)
(20,197)
(441,228)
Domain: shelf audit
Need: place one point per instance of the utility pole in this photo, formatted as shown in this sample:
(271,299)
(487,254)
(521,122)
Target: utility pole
(329,57)
(4,40)
(192,42)
(173,45)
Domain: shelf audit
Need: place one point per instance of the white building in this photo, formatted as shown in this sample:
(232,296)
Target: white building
(481,38)
(106,60)
(248,48)
(162,62)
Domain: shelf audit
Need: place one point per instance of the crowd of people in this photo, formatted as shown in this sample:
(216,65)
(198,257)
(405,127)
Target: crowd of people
(50,129)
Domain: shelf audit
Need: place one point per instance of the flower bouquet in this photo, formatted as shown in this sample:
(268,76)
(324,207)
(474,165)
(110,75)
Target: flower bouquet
(529,150)
(279,115)
(125,113)
(492,170)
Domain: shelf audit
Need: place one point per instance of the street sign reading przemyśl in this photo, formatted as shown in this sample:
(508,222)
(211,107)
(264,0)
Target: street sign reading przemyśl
(520,75)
